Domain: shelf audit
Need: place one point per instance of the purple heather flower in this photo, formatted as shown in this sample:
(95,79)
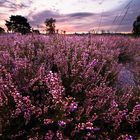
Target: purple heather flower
(73,106)
(62,123)
(125,137)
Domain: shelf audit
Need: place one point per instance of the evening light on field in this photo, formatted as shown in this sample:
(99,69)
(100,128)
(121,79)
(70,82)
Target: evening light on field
(69,70)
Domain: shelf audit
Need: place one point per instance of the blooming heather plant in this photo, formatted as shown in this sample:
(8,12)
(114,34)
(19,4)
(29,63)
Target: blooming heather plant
(65,88)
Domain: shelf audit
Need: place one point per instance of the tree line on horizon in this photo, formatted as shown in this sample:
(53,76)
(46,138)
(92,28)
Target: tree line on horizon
(20,24)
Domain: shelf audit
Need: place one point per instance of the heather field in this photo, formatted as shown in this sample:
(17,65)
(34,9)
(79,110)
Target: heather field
(69,87)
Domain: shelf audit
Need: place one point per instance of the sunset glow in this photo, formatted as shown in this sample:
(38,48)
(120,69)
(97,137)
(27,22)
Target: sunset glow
(74,15)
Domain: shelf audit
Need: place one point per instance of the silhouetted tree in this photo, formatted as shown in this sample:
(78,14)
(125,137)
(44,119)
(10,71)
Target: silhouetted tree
(63,32)
(35,31)
(50,25)
(136,26)
(2,30)
(103,31)
(19,24)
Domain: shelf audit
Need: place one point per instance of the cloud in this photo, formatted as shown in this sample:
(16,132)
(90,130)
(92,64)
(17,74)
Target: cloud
(84,21)
(2,2)
(11,6)
(80,15)
(66,21)
(39,18)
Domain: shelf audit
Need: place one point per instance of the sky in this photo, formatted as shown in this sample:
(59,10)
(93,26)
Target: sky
(74,15)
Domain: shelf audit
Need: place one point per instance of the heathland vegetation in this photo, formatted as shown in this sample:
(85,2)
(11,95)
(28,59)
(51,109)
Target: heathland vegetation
(69,87)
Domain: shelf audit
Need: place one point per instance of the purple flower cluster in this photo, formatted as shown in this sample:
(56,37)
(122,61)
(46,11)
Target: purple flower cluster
(67,87)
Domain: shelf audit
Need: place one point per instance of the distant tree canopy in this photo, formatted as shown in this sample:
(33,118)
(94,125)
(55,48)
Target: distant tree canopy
(35,31)
(19,24)
(136,26)
(50,25)
(2,30)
